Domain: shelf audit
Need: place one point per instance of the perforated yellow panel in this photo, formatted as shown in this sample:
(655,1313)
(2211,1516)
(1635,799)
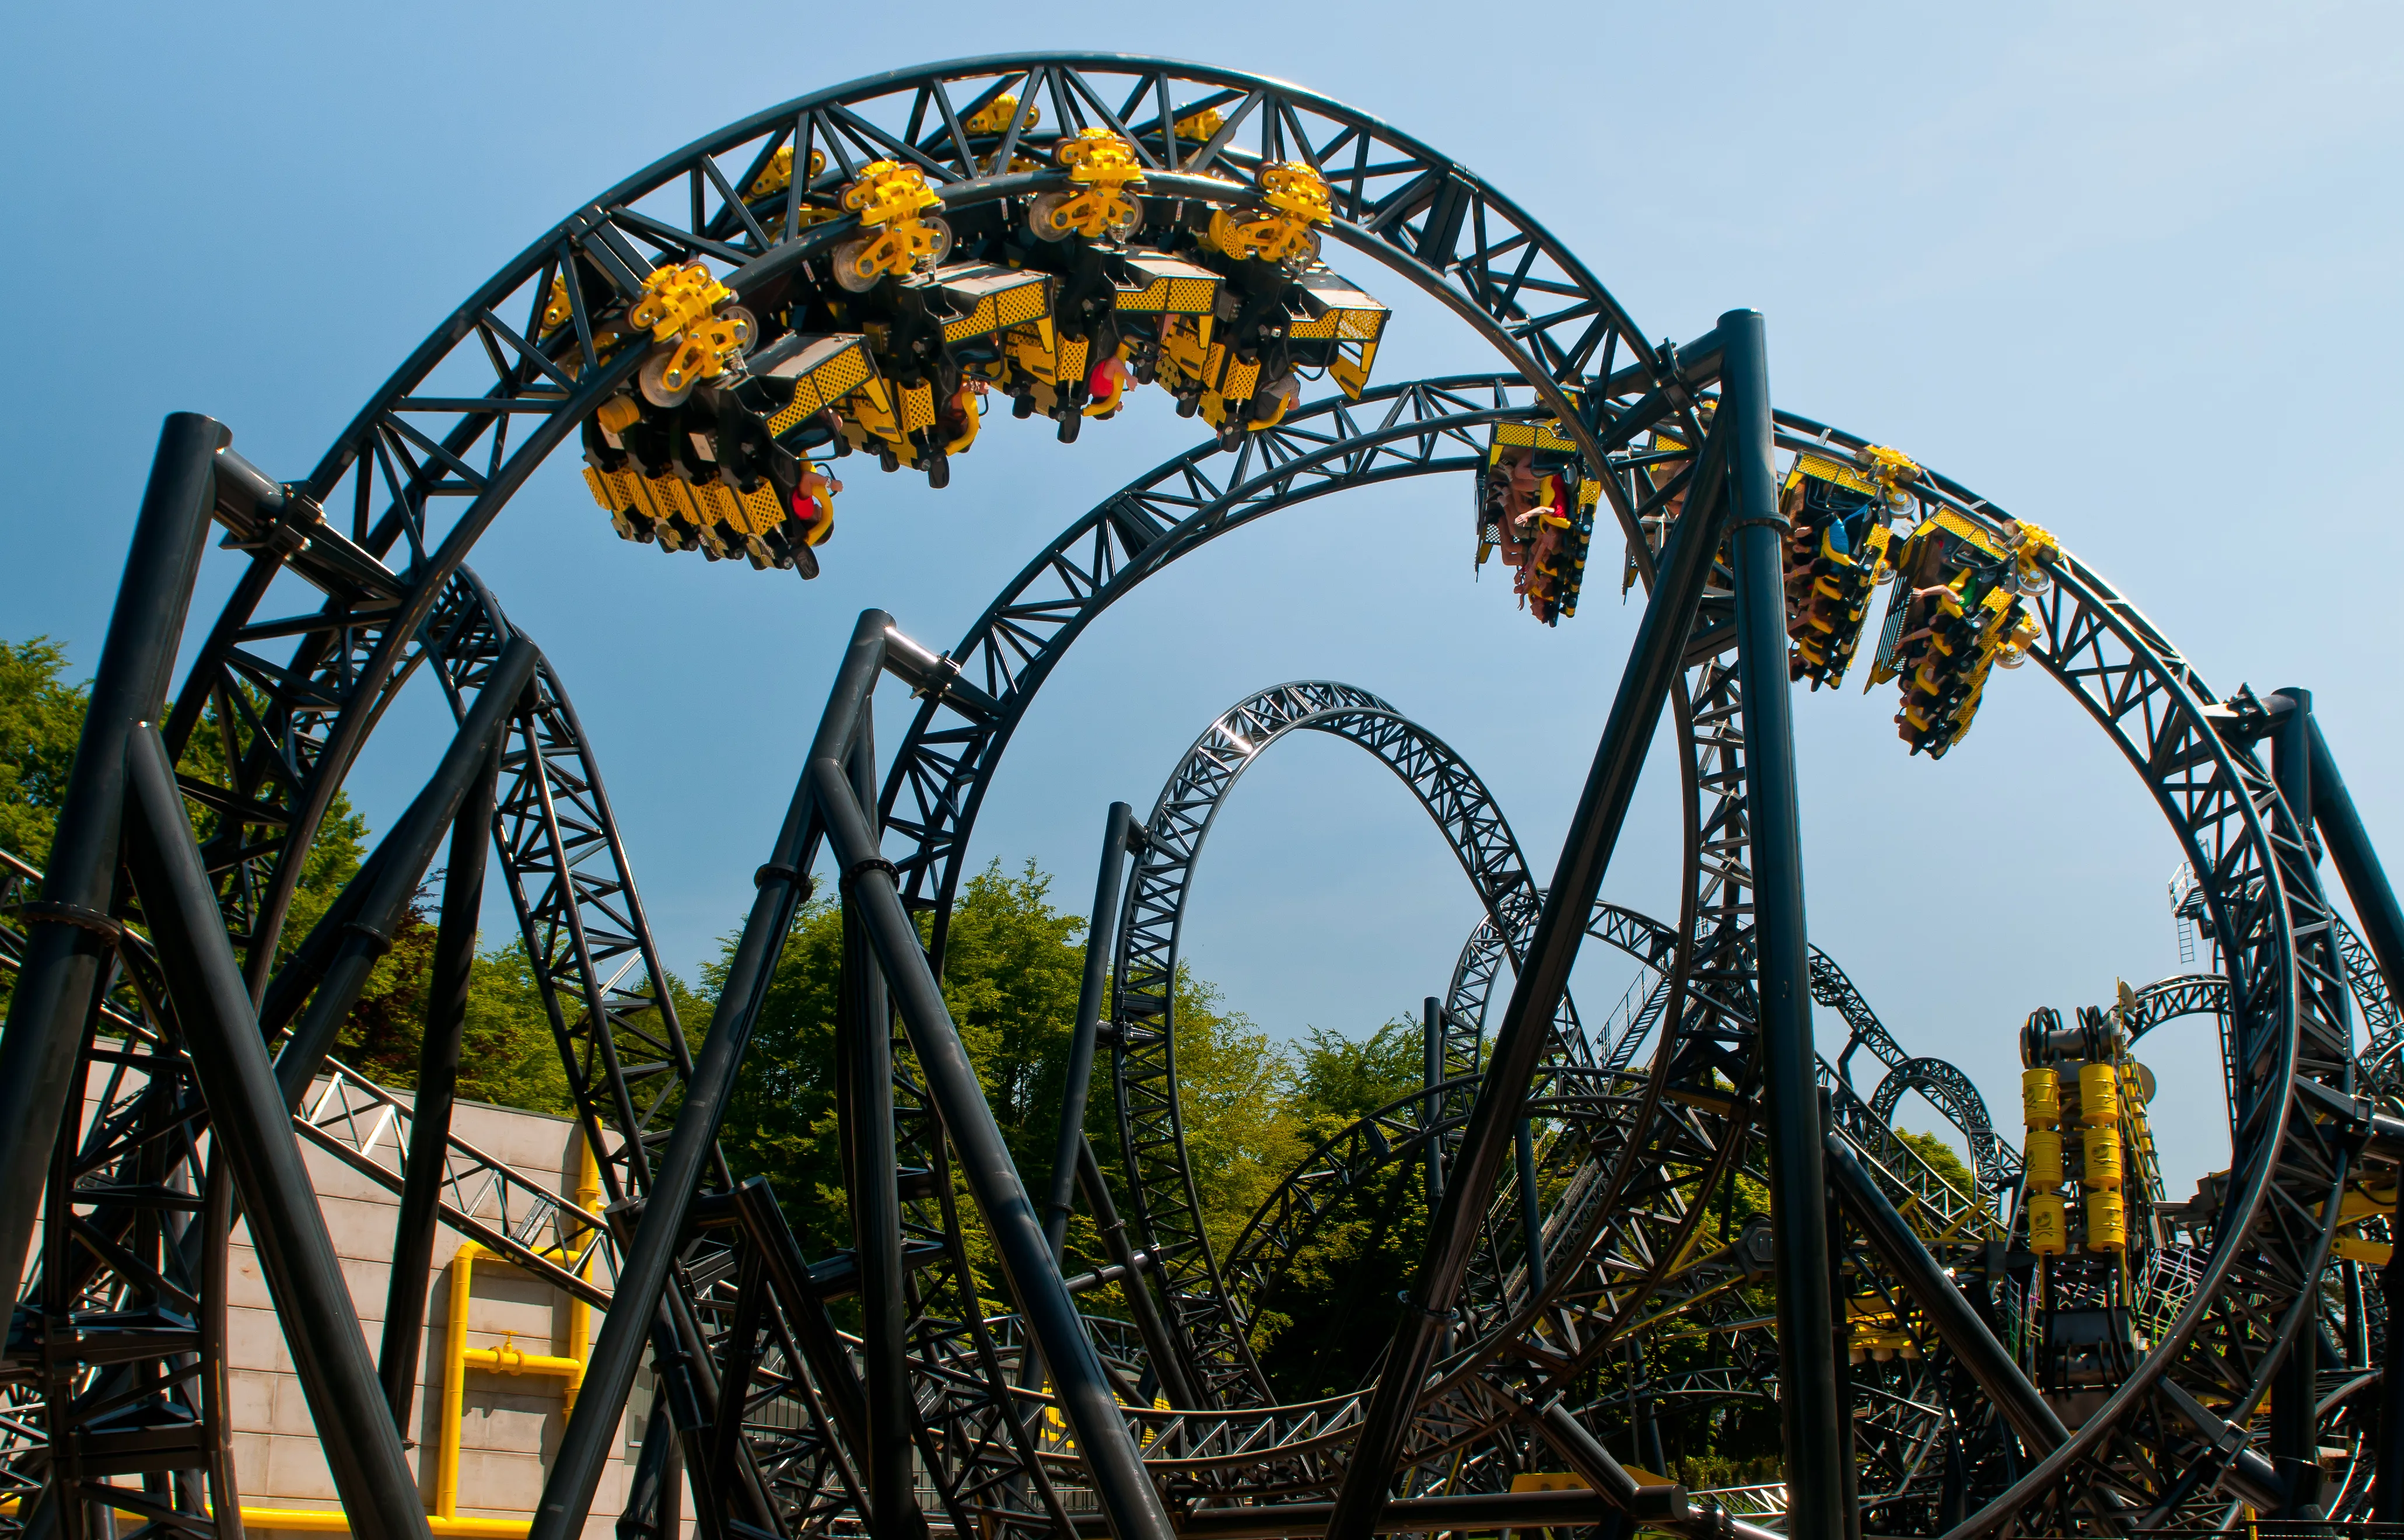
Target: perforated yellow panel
(998,308)
(1242,380)
(1821,469)
(717,504)
(917,407)
(1953,523)
(1539,434)
(823,382)
(675,498)
(1169,287)
(763,509)
(1072,359)
(604,489)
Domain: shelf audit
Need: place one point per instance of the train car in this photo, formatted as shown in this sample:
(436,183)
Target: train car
(1839,512)
(1956,614)
(1535,506)
(891,343)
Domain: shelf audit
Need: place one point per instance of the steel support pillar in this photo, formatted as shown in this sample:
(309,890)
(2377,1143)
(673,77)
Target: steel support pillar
(1542,978)
(252,1132)
(69,936)
(1431,1104)
(1024,1258)
(584,1449)
(1158,1345)
(1101,941)
(1809,1400)
(2294,1411)
(1955,1322)
(403,856)
(1531,1213)
(2357,865)
(865,1020)
(653,1498)
(438,1084)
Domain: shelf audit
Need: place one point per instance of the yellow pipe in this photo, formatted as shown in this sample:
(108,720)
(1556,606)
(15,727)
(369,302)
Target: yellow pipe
(508,1359)
(335,1521)
(580,1313)
(458,1358)
(455,1384)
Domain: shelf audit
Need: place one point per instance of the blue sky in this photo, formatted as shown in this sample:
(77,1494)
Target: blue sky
(2129,271)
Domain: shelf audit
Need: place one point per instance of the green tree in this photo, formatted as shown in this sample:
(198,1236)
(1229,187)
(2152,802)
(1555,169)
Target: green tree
(1011,970)
(1942,1159)
(1340,1080)
(40,719)
(509,1057)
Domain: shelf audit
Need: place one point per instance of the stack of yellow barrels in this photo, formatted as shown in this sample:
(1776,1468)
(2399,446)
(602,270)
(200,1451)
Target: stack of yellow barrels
(2094,1112)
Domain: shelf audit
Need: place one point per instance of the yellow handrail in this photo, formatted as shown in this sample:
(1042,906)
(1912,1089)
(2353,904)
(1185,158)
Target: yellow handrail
(458,1358)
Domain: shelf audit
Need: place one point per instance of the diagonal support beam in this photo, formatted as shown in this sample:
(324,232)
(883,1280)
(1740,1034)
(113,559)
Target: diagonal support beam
(585,1448)
(363,926)
(2031,1416)
(1542,979)
(1022,1256)
(68,931)
(438,1085)
(253,1134)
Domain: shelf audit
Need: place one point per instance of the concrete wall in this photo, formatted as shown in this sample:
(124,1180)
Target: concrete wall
(510,1425)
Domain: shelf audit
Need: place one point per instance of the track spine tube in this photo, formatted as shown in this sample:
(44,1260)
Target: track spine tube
(1126,1494)
(253,1133)
(438,1085)
(1809,1399)
(584,1449)
(1541,980)
(392,877)
(865,1018)
(63,957)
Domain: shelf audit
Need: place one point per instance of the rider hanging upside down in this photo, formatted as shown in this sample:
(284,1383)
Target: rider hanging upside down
(1534,515)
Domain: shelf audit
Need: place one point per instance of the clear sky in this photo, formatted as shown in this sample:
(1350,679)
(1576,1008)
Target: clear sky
(2129,271)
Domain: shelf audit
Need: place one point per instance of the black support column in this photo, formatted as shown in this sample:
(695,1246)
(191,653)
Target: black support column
(1810,1404)
(1101,941)
(1128,1501)
(1431,1104)
(438,1085)
(1653,664)
(584,1449)
(252,1132)
(872,1160)
(385,883)
(68,934)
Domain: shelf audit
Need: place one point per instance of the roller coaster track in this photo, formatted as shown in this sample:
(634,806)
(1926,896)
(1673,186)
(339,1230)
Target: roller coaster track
(381,528)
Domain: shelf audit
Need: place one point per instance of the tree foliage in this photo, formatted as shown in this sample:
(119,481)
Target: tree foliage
(40,717)
(507,1056)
